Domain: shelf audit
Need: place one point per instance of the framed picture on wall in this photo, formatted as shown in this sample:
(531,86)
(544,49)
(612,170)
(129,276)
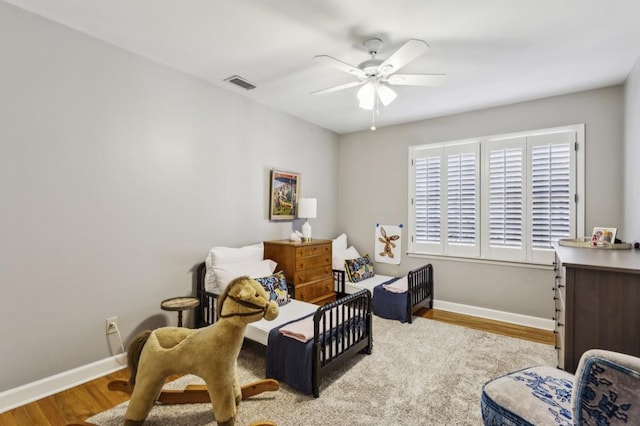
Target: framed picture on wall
(283,195)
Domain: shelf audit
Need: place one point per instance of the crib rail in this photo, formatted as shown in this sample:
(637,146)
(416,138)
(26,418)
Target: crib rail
(341,329)
(420,289)
(206,314)
(339,278)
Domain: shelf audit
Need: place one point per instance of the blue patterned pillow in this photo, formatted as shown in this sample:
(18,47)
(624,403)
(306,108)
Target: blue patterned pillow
(359,269)
(276,286)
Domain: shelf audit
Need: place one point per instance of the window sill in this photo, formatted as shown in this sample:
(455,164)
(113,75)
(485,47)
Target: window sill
(510,263)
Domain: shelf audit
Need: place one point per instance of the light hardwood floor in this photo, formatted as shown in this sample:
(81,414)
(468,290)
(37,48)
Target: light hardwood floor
(75,405)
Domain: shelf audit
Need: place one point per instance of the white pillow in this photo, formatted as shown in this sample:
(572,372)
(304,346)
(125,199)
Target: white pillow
(337,262)
(222,255)
(228,272)
(339,244)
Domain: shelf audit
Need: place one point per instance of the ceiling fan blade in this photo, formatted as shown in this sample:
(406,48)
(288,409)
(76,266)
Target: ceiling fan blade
(401,57)
(336,63)
(416,79)
(337,88)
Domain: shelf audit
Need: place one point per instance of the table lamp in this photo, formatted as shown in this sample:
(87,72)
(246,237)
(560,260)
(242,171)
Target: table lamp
(307,210)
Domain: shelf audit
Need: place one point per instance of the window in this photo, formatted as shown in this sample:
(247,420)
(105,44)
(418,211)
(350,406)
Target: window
(507,197)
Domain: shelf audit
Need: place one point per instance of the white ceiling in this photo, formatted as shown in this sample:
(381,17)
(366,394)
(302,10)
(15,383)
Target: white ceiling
(493,51)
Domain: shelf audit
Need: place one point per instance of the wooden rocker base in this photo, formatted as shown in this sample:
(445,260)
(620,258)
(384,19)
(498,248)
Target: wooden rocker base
(194,394)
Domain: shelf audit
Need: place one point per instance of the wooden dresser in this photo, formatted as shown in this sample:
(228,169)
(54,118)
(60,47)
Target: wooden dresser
(307,267)
(597,293)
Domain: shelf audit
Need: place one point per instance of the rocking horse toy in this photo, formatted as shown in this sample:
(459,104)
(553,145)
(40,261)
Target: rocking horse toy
(210,353)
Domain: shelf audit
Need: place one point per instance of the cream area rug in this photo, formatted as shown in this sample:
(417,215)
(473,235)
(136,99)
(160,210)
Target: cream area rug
(425,373)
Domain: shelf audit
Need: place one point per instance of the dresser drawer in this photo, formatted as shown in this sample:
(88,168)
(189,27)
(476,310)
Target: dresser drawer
(312,274)
(315,290)
(303,263)
(328,298)
(313,250)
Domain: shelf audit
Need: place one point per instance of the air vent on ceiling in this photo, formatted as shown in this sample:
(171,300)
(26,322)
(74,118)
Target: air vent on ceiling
(241,82)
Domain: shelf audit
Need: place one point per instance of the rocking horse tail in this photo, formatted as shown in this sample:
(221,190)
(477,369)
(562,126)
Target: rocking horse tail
(133,355)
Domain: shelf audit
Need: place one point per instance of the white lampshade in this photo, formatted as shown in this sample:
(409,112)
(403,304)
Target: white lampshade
(367,96)
(307,208)
(385,94)
(368,93)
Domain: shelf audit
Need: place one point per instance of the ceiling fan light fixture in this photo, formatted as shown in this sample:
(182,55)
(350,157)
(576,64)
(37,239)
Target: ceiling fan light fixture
(385,94)
(367,96)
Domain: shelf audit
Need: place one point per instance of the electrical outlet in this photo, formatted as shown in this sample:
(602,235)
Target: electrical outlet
(112,325)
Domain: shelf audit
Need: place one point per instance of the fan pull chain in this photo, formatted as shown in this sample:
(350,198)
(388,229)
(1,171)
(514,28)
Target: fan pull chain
(373,119)
(374,110)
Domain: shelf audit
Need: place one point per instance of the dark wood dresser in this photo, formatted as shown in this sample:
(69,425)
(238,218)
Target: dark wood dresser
(597,295)
(307,267)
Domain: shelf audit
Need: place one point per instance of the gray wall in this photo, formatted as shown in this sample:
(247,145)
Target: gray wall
(374,179)
(632,155)
(116,176)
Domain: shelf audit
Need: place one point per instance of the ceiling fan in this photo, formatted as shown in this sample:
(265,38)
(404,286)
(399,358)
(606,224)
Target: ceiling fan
(374,75)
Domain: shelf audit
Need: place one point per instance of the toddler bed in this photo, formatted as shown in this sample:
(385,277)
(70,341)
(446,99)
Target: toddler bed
(340,330)
(392,298)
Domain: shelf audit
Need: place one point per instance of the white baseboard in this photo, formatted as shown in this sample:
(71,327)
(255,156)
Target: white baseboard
(33,391)
(510,317)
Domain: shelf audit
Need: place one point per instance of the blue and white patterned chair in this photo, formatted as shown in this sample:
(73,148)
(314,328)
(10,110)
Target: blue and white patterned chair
(604,391)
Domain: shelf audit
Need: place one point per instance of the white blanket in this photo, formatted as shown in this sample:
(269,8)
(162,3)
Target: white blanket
(302,330)
(294,310)
(401,285)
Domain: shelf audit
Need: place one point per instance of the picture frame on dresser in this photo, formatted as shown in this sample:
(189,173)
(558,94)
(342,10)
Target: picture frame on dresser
(284,189)
(601,235)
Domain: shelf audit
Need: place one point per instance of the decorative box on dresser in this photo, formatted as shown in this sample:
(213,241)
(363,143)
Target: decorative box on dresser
(597,296)
(307,267)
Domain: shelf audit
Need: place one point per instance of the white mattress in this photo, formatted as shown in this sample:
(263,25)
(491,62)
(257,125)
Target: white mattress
(295,309)
(368,284)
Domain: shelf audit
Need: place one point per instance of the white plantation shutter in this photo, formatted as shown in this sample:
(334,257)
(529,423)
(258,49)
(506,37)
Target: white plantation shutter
(461,191)
(427,200)
(551,191)
(505,197)
(462,199)
(504,188)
